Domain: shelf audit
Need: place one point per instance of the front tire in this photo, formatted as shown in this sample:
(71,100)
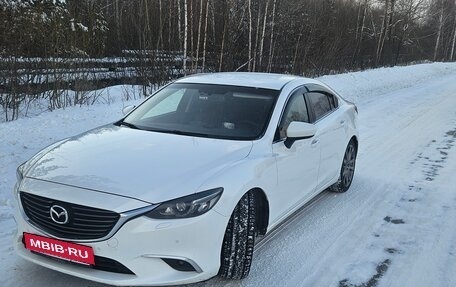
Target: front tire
(347,170)
(239,240)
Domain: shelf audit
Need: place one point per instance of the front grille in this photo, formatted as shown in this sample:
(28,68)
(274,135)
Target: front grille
(84,223)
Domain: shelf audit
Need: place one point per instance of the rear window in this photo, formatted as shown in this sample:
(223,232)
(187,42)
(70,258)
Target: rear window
(321,104)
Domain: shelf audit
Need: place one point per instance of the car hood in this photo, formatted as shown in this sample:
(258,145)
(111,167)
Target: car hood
(148,166)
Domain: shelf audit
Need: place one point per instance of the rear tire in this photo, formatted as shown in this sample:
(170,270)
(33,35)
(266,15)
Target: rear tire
(239,240)
(347,170)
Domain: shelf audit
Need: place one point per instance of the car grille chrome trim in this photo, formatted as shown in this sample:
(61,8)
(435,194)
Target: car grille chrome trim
(88,224)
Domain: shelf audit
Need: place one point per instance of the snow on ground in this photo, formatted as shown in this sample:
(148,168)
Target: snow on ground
(394,227)
(110,95)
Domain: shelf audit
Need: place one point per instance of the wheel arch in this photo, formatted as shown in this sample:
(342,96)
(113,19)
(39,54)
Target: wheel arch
(354,138)
(262,212)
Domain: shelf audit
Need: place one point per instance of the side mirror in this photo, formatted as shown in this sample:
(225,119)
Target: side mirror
(127,109)
(299,131)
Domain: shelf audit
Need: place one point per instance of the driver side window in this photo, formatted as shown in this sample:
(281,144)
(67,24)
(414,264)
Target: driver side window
(296,110)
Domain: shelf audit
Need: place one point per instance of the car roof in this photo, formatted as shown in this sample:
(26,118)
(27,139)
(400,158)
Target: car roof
(245,79)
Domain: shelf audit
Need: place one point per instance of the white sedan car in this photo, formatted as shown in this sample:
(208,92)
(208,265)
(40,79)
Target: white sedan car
(177,190)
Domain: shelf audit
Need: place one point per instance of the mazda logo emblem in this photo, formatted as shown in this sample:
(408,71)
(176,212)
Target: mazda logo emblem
(59,214)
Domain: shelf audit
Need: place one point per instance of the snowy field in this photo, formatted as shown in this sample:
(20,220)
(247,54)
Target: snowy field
(394,227)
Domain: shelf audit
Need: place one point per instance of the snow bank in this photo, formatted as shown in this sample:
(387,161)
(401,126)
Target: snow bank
(109,95)
(360,86)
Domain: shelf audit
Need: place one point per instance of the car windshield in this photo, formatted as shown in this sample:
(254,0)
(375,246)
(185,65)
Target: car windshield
(215,111)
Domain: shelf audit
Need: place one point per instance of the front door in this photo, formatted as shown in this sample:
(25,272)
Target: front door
(297,167)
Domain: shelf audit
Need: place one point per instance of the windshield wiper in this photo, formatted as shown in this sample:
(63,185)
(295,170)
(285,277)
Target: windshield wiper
(159,130)
(179,132)
(132,126)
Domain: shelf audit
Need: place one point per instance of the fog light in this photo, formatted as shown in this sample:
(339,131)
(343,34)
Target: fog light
(179,265)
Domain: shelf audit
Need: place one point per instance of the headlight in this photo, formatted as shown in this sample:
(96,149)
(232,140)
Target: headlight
(187,206)
(20,172)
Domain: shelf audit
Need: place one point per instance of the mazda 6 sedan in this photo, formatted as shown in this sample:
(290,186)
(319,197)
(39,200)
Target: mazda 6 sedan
(178,190)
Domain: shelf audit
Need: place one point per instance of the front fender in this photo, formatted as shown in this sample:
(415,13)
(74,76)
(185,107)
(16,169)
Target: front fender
(240,177)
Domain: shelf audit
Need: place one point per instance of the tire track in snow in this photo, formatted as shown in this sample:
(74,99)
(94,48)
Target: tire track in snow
(429,162)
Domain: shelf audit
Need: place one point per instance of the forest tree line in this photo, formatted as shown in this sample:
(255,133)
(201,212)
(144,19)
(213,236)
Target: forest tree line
(295,36)
(50,45)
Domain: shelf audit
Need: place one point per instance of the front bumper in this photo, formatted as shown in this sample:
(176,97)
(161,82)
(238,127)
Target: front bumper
(140,245)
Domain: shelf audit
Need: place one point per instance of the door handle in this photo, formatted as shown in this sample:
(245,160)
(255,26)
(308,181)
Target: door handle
(342,122)
(314,142)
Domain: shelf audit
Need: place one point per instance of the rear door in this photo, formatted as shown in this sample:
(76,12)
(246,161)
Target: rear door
(330,123)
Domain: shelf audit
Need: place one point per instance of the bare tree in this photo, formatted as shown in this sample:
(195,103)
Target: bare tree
(384,32)
(179,23)
(160,26)
(360,35)
(170,4)
(199,34)
(453,42)
(263,33)
(205,35)
(271,43)
(185,36)
(250,35)
(224,33)
(255,56)
(439,31)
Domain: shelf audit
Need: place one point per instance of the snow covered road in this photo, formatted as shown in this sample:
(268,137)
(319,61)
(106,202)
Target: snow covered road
(394,227)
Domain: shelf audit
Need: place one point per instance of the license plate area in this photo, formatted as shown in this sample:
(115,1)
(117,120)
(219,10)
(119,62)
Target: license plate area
(58,248)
